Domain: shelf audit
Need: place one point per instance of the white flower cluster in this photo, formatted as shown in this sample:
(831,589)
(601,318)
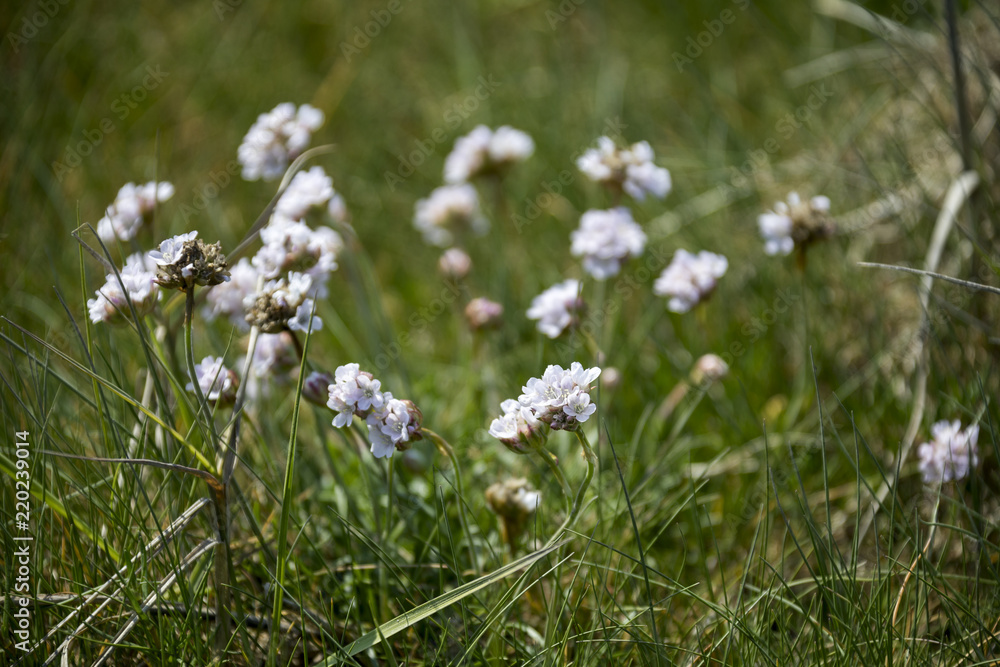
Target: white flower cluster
(778,226)
(277,137)
(631,169)
(448,209)
(310,190)
(133,203)
(559,399)
(689,279)
(605,239)
(392,423)
(557,307)
(217,382)
(228,298)
(952,453)
(283,302)
(484,150)
(137,282)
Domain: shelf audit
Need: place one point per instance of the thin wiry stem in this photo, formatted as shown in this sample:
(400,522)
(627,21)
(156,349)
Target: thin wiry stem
(446,449)
(588,453)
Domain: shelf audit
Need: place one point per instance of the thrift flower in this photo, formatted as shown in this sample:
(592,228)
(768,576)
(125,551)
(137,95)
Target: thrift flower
(482,313)
(795,223)
(486,151)
(184,261)
(133,203)
(952,453)
(689,279)
(392,423)
(227,299)
(307,190)
(277,138)
(455,263)
(282,304)
(625,169)
(217,382)
(605,240)
(138,283)
(448,209)
(557,308)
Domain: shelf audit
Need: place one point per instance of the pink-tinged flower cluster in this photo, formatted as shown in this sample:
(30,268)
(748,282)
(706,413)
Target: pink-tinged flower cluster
(276,138)
(951,454)
(217,382)
(628,169)
(689,279)
(133,203)
(557,308)
(560,400)
(137,282)
(484,150)
(392,423)
(605,240)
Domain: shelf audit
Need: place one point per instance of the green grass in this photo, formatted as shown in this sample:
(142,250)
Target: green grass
(738,527)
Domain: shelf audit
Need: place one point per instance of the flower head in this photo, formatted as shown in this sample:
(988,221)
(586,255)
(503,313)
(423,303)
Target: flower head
(952,453)
(557,308)
(184,261)
(795,223)
(605,240)
(307,190)
(133,203)
(482,313)
(217,382)
(227,299)
(392,423)
(455,263)
(448,209)
(486,151)
(137,283)
(283,304)
(513,499)
(626,169)
(276,138)
(689,279)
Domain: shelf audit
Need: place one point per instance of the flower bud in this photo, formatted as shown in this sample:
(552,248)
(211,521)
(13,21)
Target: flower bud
(482,314)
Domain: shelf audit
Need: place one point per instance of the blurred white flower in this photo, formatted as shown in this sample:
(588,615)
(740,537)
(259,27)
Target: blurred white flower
(291,245)
(227,299)
(689,279)
(307,190)
(133,203)
(605,239)
(276,138)
(794,222)
(484,150)
(447,209)
(217,382)
(283,303)
(709,367)
(455,263)
(274,355)
(952,453)
(139,284)
(629,169)
(557,307)
(481,313)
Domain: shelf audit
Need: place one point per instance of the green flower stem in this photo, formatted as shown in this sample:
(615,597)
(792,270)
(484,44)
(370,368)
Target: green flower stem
(553,463)
(591,457)
(446,449)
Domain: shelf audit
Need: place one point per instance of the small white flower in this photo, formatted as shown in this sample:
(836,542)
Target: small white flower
(448,208)
(370,396)
(304,320)
(455,263)
(383,446)
(605,239)
(689,279)
(631,169)
(560,399)
(216,381)
(952,453)
(227,299)
(133,203)
(306,191)
(484,150)
(578,405)
(556,308)
(169,250)
(396,421)
(794,219)
(276,138)
(527,500)
(138,283)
